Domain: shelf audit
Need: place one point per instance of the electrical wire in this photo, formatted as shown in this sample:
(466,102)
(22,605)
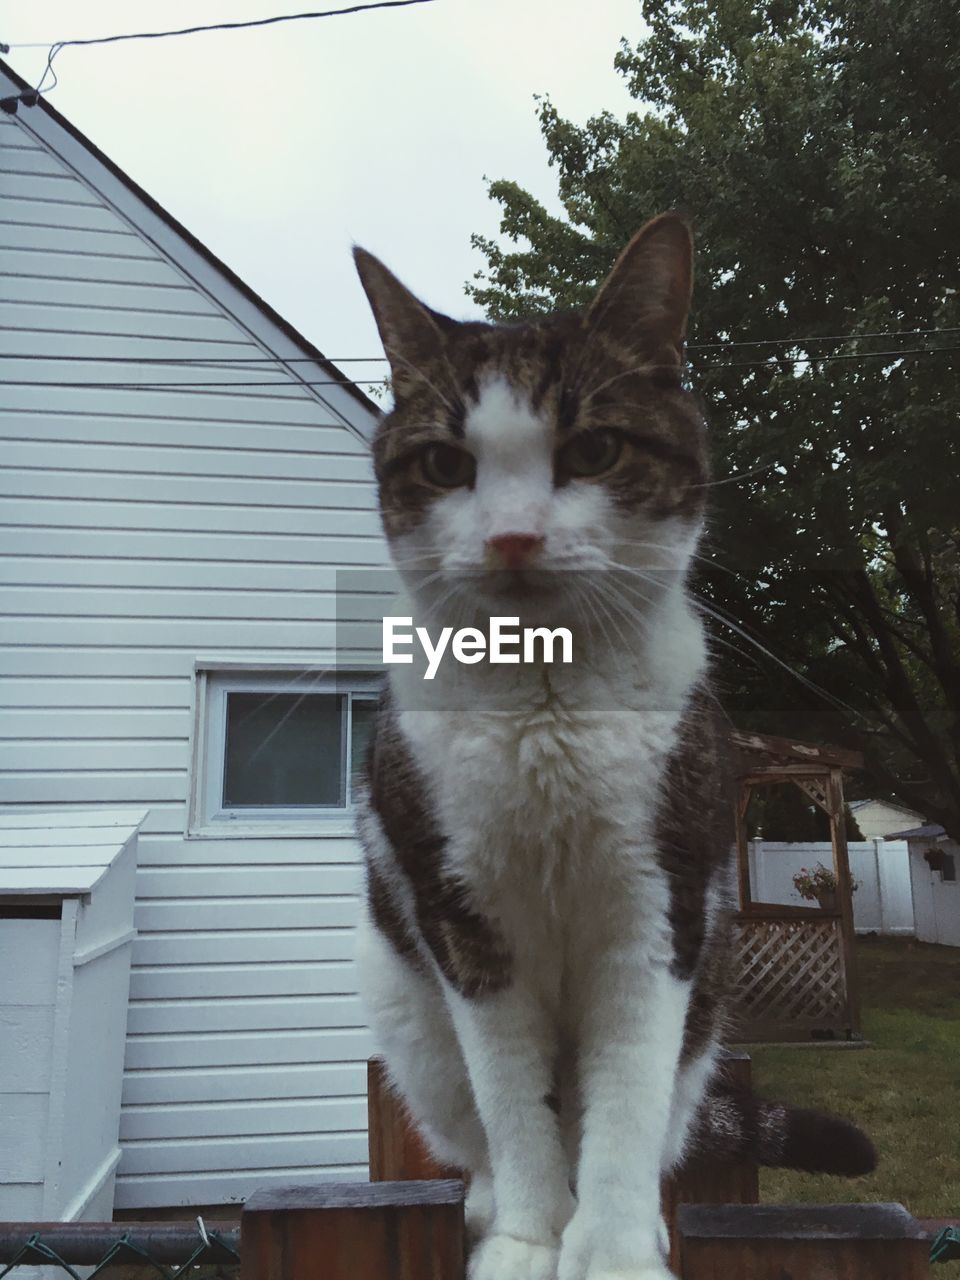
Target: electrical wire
(215,26)
(31,98)
(854,356)
(217,361)
(175,386)
(203,361)
(834,337)
(892,355)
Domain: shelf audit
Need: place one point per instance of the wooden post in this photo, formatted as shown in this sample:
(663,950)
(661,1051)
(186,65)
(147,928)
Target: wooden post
(397,1153)
(743,850)
(802,1242)
(712,1181)
(841,867)
(354,1231)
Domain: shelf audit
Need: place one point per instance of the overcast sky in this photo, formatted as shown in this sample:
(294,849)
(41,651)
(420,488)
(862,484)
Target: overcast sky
(280,147)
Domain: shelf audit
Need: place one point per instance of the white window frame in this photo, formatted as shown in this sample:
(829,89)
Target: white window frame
(206,816)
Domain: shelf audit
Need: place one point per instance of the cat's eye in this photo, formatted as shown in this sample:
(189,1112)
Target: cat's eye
(591,453)
(448,467)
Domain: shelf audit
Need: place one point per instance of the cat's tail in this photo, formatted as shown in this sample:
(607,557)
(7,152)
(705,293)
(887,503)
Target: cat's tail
(735,1123)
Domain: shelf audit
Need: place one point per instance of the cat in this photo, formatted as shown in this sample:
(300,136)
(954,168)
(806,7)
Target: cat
(548,848)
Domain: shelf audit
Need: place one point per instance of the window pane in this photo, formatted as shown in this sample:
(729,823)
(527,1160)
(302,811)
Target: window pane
(283,749)
(363,714)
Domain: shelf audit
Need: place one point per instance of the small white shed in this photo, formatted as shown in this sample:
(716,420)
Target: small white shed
(877,818)
(935,873)
(182,476)
(66,926)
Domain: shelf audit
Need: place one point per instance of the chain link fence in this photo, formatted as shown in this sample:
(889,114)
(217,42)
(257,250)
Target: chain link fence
(83,1250)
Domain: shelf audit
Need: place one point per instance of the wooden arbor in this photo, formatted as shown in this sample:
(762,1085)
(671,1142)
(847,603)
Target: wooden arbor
(795,967)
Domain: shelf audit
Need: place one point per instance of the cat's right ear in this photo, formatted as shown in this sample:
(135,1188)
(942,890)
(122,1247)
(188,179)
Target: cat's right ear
(411,333)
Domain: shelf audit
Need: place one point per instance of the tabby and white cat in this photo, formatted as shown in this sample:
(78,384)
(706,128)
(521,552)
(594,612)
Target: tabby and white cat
(548,848)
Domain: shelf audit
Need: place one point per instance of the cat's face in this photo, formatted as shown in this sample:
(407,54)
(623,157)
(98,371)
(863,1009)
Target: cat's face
(520,457)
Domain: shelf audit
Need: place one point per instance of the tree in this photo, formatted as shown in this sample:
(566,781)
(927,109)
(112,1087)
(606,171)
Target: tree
(783,812)
(816,146)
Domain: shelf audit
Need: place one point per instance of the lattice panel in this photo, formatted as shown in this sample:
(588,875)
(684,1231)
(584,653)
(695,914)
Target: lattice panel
(815,789)
(790,973)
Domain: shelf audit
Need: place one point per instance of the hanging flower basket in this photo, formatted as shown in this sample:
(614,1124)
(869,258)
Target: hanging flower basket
(820,886)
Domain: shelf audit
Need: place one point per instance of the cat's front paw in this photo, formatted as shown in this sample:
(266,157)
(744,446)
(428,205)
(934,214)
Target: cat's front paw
(597,1251)
(502,1257)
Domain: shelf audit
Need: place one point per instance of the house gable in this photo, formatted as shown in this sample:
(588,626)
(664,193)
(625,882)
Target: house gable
(159,518)
(83,165)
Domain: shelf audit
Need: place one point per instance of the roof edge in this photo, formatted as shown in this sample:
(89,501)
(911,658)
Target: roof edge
(197,245)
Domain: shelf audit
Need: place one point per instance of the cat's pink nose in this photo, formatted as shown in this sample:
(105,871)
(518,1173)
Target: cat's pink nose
(514,550)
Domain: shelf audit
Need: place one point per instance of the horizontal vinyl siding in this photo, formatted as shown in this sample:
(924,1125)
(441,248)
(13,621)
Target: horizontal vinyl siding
(160,1190)
(143,526)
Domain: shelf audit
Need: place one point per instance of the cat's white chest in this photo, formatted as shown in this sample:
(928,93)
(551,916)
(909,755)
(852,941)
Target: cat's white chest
(544,784)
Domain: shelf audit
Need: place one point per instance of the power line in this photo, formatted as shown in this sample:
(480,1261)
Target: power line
(219,361)
(174,386)
(339,382)
(850,356)
(214,26)
(31,98)
(203,361)
(835,337)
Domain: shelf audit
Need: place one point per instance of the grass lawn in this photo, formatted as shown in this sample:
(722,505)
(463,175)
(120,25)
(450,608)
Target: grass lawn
(904,1090)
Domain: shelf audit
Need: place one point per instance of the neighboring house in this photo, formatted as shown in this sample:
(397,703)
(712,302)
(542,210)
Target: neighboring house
(877,818)
(168,558)
(935,873)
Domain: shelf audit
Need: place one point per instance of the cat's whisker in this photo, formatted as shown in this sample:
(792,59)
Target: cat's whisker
(736,478)
(595,390)
(626,573)
(725,621)
(313,677)
(592,602)
(695,555)
(604,599)
(629,610)
(615,631)
(264,743)
(423,560)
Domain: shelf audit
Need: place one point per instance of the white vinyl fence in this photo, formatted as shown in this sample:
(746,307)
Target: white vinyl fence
(883,903)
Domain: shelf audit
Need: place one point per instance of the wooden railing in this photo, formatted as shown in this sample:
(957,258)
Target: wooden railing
(414,1231)
(802,1242)
(407,1223)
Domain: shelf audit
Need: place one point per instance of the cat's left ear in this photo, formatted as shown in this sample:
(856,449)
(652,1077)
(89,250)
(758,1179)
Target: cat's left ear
(411,333)
(644,301)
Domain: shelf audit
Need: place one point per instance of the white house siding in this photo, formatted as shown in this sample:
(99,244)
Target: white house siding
(141,530)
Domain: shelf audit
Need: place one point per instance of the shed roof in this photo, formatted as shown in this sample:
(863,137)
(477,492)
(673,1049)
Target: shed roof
(929,831)
(62,852)
(62,137)
(889,804)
